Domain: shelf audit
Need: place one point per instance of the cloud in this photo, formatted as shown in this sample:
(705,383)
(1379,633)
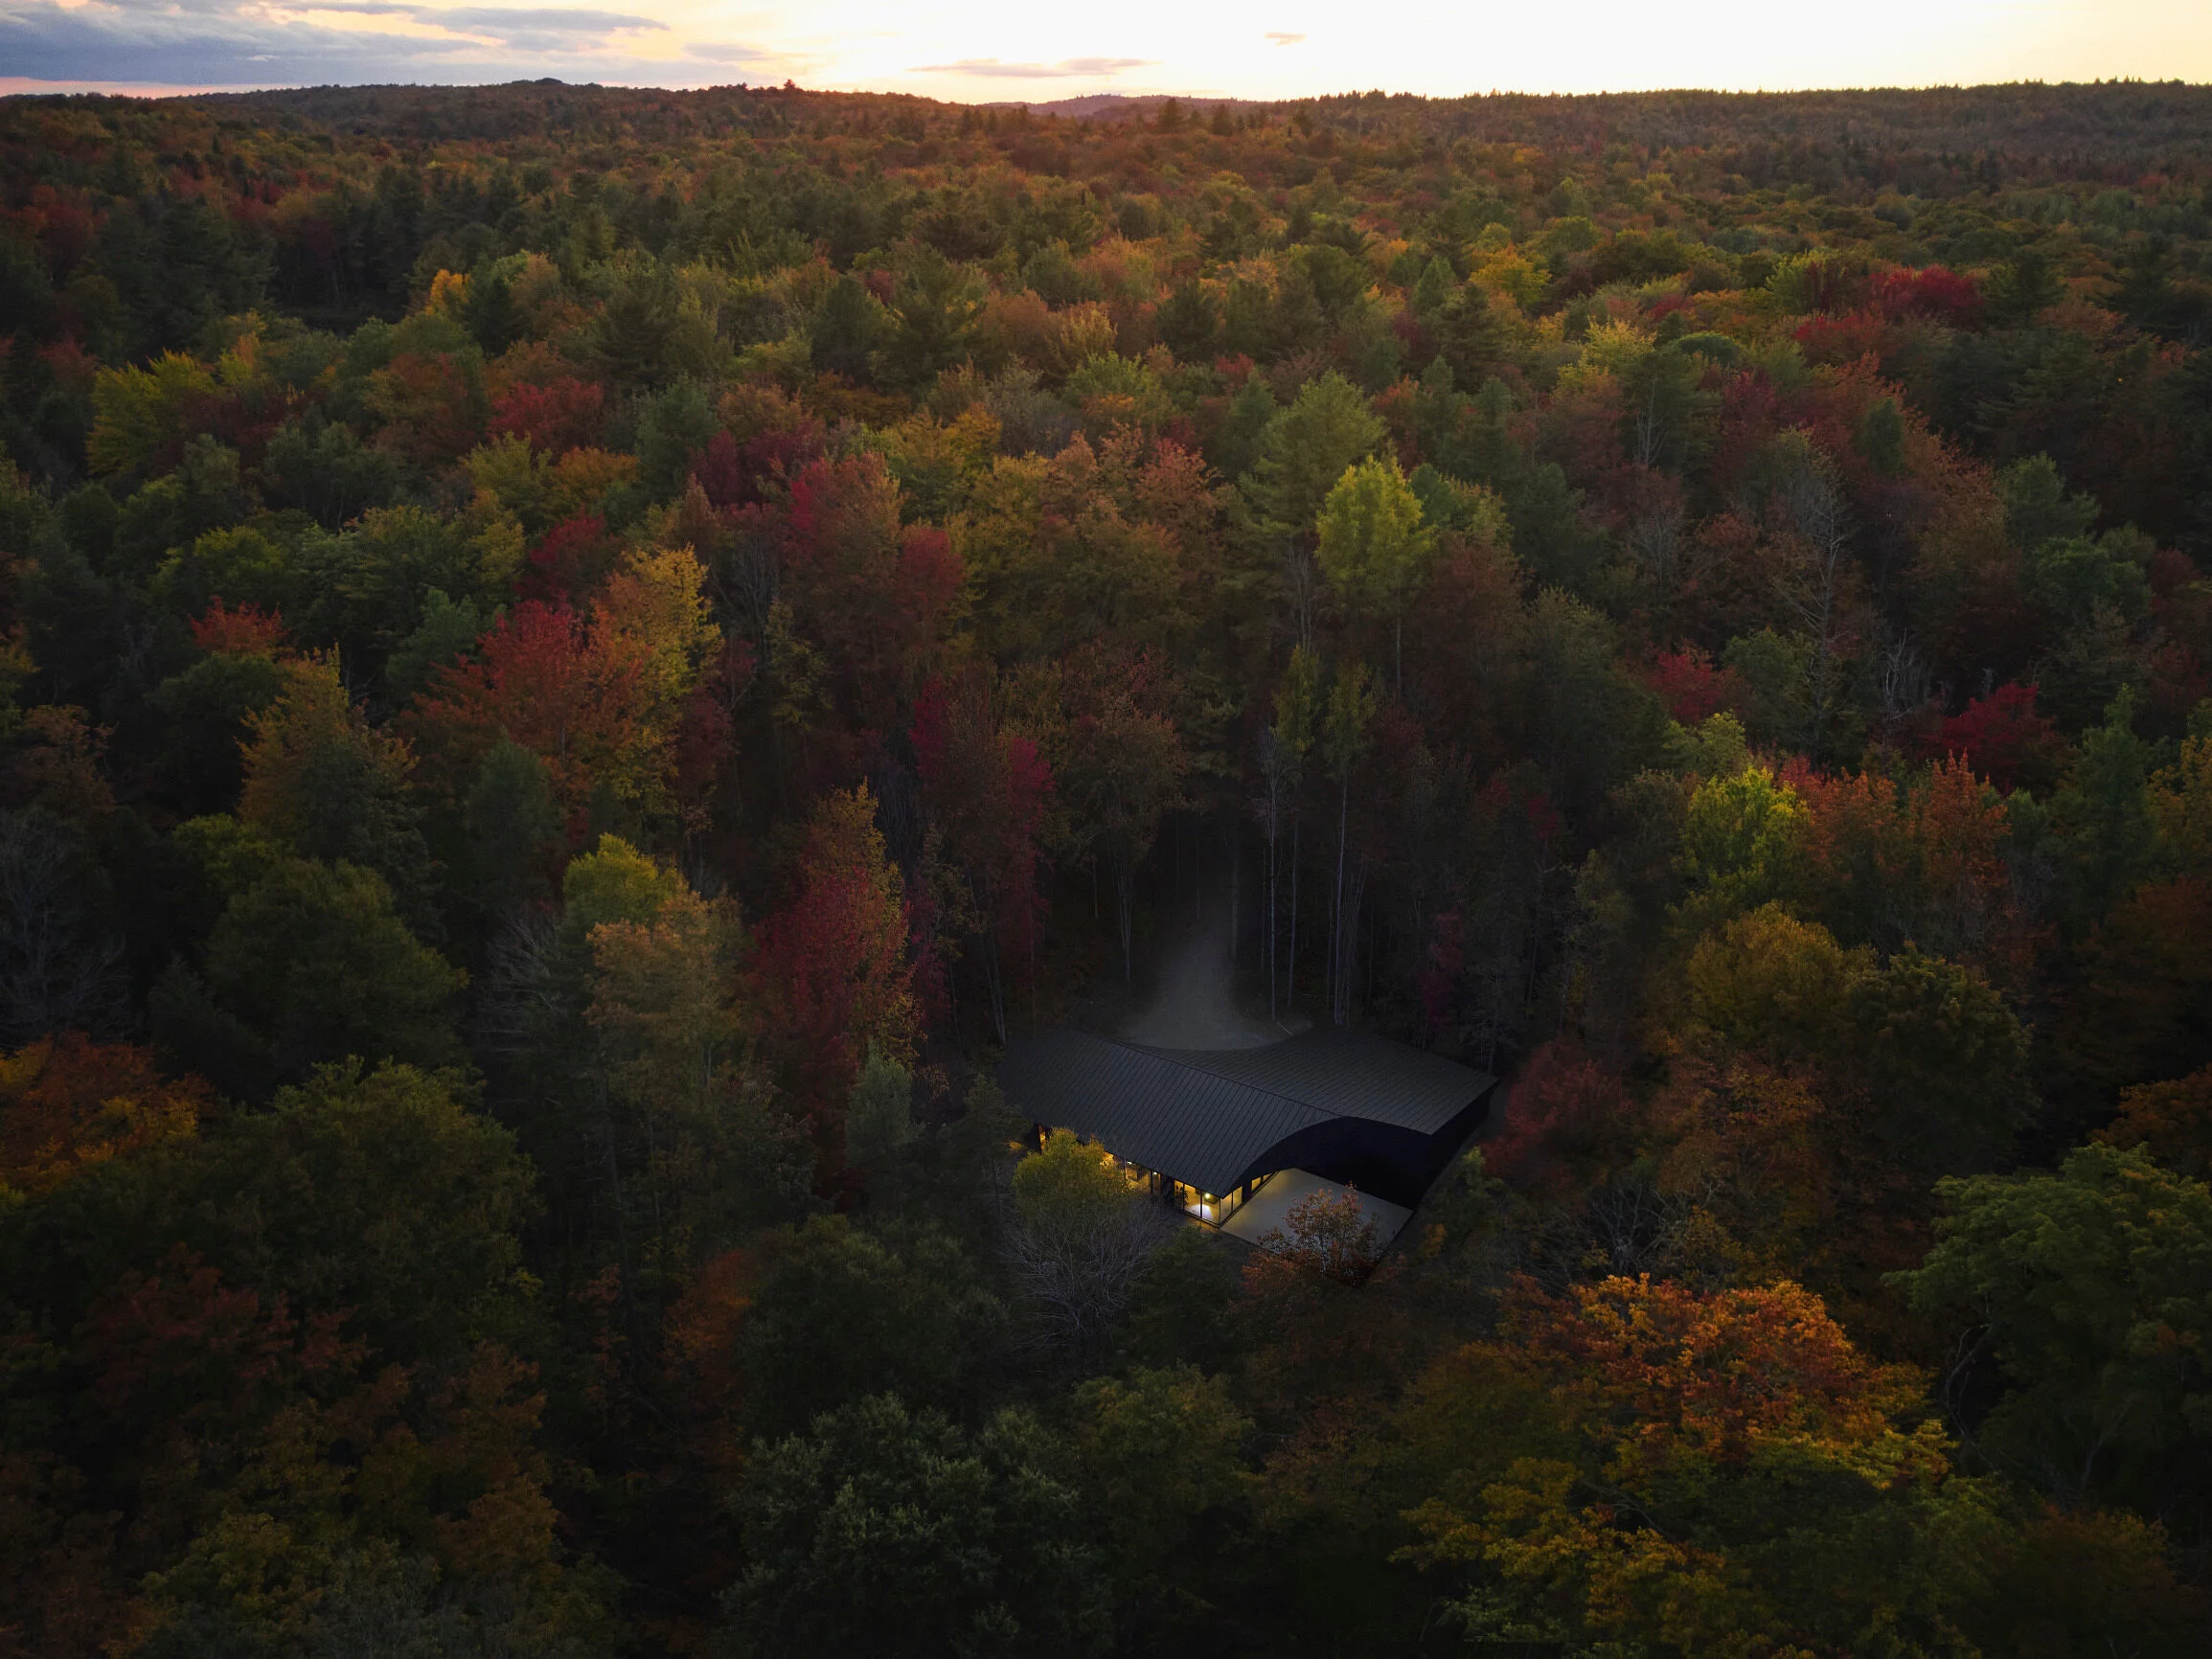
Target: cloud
(1282,37)
(1066,69)
(549,29)
(493,22)
(723,52)
(252,43)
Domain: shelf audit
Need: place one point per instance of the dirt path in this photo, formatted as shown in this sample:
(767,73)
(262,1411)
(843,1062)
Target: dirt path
(1194,1008)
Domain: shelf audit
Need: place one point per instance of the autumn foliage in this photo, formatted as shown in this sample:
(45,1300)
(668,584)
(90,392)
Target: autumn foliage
(833,970)
(581,667)
(596,696)
(71,1103)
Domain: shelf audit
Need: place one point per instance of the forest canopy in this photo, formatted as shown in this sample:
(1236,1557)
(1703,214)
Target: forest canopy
(574,663)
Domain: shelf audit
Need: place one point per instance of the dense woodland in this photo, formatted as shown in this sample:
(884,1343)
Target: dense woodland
(573,663)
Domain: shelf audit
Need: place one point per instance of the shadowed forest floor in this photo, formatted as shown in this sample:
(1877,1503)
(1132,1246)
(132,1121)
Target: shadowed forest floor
(1195,1005)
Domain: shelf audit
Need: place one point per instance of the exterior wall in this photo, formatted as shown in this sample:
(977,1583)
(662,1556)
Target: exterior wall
(1399,1165)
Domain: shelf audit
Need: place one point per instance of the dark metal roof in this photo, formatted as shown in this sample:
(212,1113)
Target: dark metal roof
(1348,1074)
(1147,1107)
(1209,1118)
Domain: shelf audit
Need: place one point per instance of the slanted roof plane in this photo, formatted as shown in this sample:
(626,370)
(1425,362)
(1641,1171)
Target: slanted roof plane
(1347,1075)
(1212,1119)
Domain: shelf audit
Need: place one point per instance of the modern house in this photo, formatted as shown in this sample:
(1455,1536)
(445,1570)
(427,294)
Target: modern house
(1205,1130)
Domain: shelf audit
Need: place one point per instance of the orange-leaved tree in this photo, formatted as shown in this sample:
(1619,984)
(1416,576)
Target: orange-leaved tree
(2171,1120)
(1712,1472)
(600,697)
(67,1102)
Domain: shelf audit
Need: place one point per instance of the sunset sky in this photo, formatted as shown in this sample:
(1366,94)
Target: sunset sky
(989,50)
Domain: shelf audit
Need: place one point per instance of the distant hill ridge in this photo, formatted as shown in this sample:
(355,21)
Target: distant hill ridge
(2123,125)
(1114,106)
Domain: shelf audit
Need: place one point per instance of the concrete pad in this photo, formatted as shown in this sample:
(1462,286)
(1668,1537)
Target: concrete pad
(1267,1209)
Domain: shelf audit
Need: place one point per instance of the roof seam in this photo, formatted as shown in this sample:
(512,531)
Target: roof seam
(1175,1057)
(1183,1057)
(1317,1114)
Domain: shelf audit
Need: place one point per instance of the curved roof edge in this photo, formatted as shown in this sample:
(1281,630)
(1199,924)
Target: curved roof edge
(1211,1118)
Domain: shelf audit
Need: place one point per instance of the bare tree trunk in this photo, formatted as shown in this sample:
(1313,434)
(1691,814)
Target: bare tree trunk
(1336,906)
(1125,904)
(1080,1281)
(1270,809)
(994,987)
(1648,427)
(1348,931)
(1274,917)
(1375,948)
(1236,891)
(1904,680)
(1302,581)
